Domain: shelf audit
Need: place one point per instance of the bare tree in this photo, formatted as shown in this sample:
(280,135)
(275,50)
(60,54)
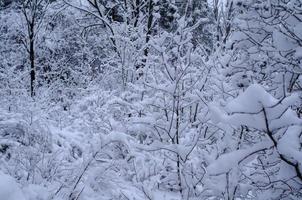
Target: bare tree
(33,12)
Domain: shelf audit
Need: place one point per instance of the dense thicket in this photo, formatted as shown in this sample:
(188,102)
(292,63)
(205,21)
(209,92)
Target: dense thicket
(148,99)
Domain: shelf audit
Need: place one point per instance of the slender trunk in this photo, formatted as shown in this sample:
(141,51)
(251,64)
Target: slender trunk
(148,34)
(195,113)
(136,12)
(177,142)
(32,60)
(228,23)
(149,24)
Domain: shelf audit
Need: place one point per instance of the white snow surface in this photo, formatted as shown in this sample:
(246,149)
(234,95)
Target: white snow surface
(230,160)
(9,188)
(248,109)
(290,144)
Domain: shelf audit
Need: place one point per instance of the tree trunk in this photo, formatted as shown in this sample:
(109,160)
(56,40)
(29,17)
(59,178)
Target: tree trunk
(32,59)
(177,142)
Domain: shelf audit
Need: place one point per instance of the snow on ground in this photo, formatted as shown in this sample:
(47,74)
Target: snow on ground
(9,188)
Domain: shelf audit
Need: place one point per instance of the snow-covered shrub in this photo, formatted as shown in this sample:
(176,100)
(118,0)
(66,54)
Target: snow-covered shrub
(268,159)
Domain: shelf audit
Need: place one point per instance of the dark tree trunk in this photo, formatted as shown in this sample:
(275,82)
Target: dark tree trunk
(32,61)
(148,34)
(149,24)
(136,12)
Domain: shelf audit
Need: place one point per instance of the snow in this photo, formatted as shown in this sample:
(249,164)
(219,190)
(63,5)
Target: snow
(256,121)
(231,160)
(36,192)
(298,52)
(248,109)
(175,110)
(281,41)
(256,108)
(298,30)
(9,188)
(252,100)
(290,143)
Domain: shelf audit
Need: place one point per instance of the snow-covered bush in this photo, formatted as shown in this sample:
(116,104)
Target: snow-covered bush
(268,155)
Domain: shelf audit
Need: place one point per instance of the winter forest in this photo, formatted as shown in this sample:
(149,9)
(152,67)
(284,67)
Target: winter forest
(150,99)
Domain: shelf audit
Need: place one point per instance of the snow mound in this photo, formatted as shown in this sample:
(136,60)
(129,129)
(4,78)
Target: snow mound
(9,188)
(248,109)
(228,161)
(289,145)
(252,100)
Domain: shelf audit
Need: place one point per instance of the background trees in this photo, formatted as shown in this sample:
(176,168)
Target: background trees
(266,42)
(33,13)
